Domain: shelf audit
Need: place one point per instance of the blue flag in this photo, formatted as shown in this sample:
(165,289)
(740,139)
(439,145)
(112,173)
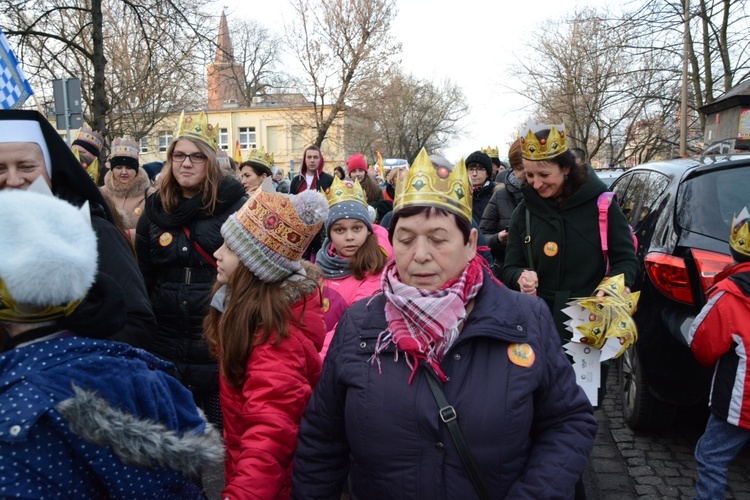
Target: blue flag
(14,87)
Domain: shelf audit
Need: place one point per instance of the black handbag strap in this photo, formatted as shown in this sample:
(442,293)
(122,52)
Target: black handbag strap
(449,416)
(527,239)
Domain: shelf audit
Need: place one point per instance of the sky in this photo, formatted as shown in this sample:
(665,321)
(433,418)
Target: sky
(472,43)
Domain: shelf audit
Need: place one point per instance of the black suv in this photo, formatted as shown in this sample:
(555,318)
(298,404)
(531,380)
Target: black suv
(681,211)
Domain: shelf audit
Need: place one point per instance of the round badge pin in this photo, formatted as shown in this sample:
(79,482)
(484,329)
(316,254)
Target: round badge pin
(521,355)
(550,249)
(165,239)
(138,211)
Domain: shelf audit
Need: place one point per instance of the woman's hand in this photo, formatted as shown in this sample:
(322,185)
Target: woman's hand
(528,282)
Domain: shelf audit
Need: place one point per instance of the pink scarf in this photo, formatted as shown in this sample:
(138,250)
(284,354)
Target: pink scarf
(422,323)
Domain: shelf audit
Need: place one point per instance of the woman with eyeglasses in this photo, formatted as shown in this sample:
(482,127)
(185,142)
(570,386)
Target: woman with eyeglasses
(175,240)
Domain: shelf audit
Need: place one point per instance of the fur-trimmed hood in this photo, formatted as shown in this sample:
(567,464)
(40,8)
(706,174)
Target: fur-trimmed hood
(142,443)
(137,186)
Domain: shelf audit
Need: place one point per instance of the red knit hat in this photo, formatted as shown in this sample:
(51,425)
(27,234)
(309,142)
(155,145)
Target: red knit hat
(356,162)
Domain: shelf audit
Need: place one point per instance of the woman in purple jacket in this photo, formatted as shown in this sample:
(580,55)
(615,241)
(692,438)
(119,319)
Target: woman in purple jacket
(441,320)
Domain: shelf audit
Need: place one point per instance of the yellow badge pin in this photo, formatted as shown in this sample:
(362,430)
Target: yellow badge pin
(521,355)
(165,239)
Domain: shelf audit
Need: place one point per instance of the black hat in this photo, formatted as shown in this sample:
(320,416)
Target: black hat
(482,159)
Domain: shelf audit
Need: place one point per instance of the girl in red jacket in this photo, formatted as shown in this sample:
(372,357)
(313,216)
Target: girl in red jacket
(266,328)
(353,255)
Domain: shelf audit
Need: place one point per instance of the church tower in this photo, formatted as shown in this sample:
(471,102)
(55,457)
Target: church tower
(226,79)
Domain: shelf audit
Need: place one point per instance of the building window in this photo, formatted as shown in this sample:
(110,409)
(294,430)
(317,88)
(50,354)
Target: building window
(223,139)
(165,138)
(247,138)
(143,143)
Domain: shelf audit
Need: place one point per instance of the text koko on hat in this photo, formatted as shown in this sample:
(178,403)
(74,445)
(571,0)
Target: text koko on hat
(271,231)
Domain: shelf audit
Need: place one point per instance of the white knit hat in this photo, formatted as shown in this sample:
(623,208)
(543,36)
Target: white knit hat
(49,256)
(271,231)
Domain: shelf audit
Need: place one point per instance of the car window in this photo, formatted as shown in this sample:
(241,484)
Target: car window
(655,186)
(629,196)
(707,203)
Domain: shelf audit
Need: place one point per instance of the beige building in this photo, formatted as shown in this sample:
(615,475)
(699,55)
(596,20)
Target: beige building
(277,128)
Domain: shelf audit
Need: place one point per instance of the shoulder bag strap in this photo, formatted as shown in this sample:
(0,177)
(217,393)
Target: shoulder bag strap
(449,416)
(199,248)
(527,239)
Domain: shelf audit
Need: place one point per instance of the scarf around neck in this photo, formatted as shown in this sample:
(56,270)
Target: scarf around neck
(190,209)
(423,323)
(332,264)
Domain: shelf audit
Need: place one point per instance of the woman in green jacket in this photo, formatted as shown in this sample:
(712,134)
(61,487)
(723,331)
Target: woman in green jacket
(554,247)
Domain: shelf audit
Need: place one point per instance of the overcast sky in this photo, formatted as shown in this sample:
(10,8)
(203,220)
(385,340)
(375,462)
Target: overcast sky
(470,42)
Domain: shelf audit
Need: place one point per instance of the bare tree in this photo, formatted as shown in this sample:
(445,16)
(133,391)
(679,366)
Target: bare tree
(405,114)
(339,44)
(718,50)
(595,75)
(125,52)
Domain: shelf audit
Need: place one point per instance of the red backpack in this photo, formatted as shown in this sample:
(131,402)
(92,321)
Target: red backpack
(603,203)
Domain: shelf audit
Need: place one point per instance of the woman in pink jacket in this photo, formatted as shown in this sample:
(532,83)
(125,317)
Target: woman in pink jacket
(266,328)
(353,255)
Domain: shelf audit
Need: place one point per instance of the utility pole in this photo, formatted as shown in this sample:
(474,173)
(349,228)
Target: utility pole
(683,104)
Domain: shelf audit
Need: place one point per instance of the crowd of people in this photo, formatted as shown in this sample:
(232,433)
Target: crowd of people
(333,333)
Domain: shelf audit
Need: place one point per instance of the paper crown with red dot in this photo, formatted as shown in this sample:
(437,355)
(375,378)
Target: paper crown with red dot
(261,157)
(197,127)
(271,231)
(428,186)
(534,148)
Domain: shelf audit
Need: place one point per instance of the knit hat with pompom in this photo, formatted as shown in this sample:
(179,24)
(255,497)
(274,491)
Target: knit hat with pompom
(271,231)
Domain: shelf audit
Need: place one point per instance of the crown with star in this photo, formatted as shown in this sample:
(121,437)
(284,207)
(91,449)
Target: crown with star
(555,144)
(197,127)
(441,187)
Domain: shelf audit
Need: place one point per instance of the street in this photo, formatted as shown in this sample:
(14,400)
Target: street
(627,465)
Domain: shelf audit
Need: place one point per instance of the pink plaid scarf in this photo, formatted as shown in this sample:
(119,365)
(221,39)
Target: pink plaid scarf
(422,323)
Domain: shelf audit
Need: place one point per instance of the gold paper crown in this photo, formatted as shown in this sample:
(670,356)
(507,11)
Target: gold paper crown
(739,239)
(440,187)
(554,145)
(491,152)
(13,312)
(260,156)
(341,191)
(198,128)
(93,169)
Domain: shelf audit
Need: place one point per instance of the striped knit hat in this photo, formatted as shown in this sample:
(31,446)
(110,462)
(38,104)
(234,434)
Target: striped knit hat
(271,231)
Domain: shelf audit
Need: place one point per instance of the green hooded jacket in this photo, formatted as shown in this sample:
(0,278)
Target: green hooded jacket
(566,248)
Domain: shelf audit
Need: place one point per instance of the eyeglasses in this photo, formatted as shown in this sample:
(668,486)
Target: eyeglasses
(475,169)
(195,158)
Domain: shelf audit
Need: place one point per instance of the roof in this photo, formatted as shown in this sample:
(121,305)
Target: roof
(739,95)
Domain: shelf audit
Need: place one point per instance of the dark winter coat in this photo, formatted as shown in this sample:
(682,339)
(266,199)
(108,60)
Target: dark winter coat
(565,246)
(117,265)
(530,429)
(98,419)
(481,197)
(179,280)
(496,217)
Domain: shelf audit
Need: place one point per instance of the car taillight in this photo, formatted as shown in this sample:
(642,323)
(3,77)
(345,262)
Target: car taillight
(709,264)
(669,275)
